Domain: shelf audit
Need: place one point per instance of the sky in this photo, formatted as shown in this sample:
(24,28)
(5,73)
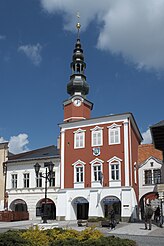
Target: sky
(123,44)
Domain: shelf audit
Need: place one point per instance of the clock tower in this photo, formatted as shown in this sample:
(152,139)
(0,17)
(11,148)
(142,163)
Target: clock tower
(77,107)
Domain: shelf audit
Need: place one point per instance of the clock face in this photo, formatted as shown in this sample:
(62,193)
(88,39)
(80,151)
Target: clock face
(77,102)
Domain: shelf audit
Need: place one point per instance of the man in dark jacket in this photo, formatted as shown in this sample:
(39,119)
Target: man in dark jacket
(148,215)
(112,219)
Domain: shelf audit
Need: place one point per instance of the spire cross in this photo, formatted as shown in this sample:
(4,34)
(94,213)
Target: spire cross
(78,25)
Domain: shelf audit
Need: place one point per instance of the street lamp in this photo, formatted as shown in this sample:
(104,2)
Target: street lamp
(48,175)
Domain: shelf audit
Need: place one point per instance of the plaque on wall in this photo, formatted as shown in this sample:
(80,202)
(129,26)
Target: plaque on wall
(96,151)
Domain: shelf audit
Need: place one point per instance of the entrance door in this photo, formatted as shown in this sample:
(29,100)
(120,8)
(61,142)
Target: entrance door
(112,202)
(82,211)
(48,209)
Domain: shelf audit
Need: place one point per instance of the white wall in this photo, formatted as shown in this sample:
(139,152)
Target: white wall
(143,189)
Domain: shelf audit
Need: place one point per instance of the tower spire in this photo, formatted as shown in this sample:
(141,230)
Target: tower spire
(78,25)
(78,84)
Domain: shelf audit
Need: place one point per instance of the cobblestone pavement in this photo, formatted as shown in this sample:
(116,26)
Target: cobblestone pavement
(134,231)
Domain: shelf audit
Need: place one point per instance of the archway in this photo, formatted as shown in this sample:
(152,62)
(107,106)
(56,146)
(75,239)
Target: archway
(49,208)
(81,207)
(148,197)
(18,205)
(111,202)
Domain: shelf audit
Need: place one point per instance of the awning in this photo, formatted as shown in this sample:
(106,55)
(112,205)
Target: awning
(19,201)
(110,200)
(80,200)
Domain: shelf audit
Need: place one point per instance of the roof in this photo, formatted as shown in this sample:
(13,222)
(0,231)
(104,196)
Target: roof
(157,132)
(4,145)
(146,151)
(100,119)
(46,152)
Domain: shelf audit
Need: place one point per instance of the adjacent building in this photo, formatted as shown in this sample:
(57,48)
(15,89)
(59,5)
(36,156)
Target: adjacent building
(150,169)
(3,158)
(25,190)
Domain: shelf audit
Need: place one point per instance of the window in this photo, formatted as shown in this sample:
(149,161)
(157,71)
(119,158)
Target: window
(52,180)
(14,181)
(79,139)
(79,174)
(97,172)
(114,134)
(97,135)
(148,177)
(157,176)
(26,180)
(39,180)
(115,171)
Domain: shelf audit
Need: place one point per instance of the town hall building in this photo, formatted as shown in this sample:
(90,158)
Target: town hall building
(98,155)
(95,169)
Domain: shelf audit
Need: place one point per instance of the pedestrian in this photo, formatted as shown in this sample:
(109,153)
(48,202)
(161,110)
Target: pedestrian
(157,214)
(148,215)
(112,219)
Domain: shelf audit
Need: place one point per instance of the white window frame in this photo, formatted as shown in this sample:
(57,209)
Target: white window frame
(39,181)
(14,180)
(97,136)
(53,179)
(114,161)
(80,141)
(26,180)
(115,171)
(96,163)
(113,129)
(79,164)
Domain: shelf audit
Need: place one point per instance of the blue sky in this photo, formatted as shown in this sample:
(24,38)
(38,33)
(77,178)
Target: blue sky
(123,45)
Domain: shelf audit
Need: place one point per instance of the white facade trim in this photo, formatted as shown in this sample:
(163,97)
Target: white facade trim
(72,118)
(62,157)
(126,152)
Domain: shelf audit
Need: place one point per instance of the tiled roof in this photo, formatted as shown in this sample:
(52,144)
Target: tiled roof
(147,150)
(50,151)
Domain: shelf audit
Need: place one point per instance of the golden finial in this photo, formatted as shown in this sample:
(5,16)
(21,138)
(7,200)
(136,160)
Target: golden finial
(78,25)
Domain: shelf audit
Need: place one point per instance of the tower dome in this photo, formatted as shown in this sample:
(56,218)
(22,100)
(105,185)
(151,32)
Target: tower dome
(78,84)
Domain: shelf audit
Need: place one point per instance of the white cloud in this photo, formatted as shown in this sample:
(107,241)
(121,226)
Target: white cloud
(147,139)
(133,29)
(2,140)
(33,52)
(17,144)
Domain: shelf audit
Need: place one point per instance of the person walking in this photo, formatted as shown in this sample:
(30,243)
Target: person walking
(157,215)
(112,219)
(148,216)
